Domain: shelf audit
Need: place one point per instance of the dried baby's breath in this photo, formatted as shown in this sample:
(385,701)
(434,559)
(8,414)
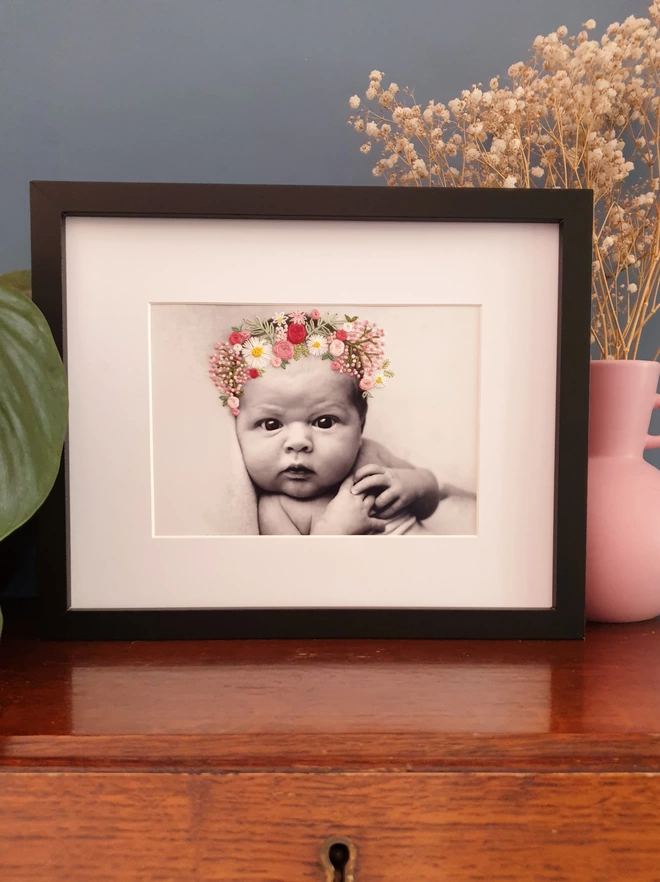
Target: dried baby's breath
(581,113)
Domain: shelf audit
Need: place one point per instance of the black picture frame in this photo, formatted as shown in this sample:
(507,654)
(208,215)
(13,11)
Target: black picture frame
(53,201)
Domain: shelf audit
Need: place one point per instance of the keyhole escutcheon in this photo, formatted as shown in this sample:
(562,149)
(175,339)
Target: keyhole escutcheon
(338,855)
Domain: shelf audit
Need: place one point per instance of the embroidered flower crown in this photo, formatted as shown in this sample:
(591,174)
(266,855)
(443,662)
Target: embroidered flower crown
(352,347)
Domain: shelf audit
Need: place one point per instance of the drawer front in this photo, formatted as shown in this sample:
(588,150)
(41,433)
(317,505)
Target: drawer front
(406,827)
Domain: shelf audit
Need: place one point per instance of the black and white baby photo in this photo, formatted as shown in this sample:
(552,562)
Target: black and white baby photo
(314,419)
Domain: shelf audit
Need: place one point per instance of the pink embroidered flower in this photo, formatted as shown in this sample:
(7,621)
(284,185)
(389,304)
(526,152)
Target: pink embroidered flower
(276,362)
(234,411)
(335,365)
(341,335)
(337,348)
(298,318)
(315,315)
(254,373)
(366,383)
(245,335)
(233,402)
(235,337)
(296,333)
(283,349)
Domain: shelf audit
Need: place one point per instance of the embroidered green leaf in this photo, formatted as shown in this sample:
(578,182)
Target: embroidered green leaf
(284,364)
(300,350)
(386,364)
(325,327)
(349,319)
(327,357)
(261,328)
(388,373)
(367,395)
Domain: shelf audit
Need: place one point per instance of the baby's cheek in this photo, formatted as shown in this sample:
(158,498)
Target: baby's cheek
(344,449)
(254,455)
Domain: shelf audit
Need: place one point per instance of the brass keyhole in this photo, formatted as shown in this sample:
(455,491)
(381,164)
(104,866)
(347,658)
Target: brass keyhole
(338,859)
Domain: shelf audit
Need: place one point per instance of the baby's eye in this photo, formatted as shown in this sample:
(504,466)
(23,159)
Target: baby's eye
(270,425)
(325,422)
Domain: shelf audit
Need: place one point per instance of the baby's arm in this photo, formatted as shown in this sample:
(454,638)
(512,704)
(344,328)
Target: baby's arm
(401,485)
(273,520)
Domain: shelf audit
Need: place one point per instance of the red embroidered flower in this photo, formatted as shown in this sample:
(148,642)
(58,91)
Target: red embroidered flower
(296,333)
(254,373)
(341,335)
(235,337)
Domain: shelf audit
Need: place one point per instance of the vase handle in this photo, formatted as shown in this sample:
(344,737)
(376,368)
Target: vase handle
(653,441)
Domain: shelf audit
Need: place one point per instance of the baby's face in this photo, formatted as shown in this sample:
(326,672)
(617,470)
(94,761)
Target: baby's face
(299,429)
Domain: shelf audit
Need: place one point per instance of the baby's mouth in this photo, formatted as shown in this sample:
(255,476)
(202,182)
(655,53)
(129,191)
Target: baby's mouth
(298,472)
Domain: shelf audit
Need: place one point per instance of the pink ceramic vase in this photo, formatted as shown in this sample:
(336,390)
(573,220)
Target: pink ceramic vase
(623,509)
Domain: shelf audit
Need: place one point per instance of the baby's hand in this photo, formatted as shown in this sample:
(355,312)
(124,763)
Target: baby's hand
(397,492)
(348,515)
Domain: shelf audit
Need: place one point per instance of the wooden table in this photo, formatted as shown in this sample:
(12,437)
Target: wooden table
(453,760)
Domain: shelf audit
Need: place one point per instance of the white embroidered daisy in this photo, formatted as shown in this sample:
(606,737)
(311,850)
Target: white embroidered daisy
(279,318)
(257,352)
(379,379)
(317,344)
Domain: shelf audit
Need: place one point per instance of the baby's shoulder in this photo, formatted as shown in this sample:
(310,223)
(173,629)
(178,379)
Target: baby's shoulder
(374,452)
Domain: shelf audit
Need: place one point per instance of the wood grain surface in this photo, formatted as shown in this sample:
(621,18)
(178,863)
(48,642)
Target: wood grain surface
(333,705)
(456,760)
(422,827)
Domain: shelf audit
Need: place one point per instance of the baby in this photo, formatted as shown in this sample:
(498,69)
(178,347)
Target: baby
(300,433)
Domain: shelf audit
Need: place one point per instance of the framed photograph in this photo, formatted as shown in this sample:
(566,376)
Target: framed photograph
(301,412)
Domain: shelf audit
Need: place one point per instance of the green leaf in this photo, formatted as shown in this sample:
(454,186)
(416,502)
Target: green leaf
(327,356)
(19,280)
(261,329)
(33,405)
(349,319)
(325,328)
(388,373)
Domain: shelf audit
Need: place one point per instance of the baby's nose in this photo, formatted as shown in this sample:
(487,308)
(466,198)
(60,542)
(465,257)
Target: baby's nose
(299,438)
